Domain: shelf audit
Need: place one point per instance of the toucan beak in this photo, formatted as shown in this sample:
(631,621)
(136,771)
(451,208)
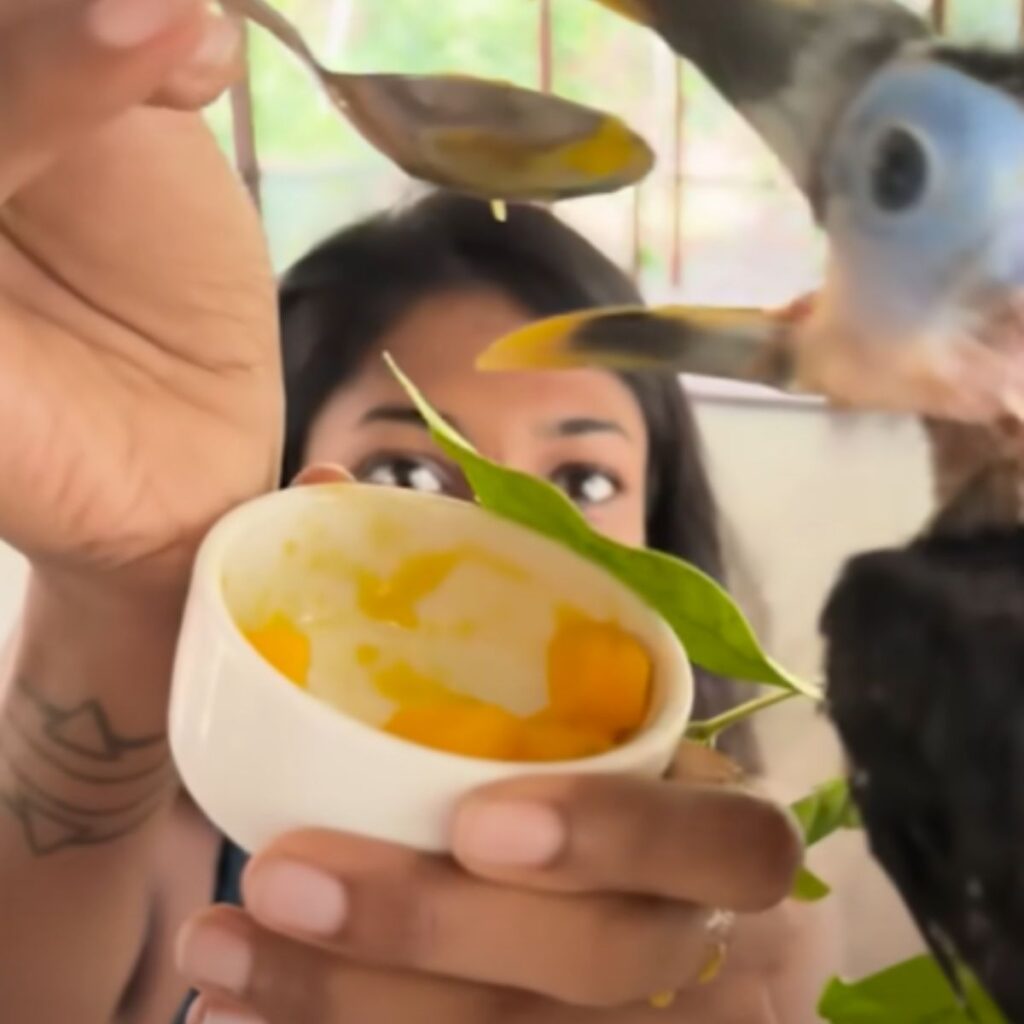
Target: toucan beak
(733,343)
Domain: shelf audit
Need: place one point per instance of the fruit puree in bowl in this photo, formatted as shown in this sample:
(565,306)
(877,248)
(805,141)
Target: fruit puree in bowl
(359,658)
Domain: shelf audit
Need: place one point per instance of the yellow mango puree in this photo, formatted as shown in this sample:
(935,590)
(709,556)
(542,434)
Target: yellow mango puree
(395,598)
(603,153)
(285,646)
(598,677)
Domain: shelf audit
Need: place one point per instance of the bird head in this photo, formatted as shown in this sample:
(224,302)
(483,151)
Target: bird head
(922,188)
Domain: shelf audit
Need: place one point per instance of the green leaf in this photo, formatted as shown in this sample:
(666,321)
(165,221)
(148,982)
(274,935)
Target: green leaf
(914,992)
(982,1009)
(809,888)
(707,621)
(828,809)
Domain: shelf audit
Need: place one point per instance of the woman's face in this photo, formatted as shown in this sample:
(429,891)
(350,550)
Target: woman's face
(581,430)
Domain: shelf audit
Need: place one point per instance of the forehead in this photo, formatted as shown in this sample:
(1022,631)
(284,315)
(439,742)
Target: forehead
(436,344)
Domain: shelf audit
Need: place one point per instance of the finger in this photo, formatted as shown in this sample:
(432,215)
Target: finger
(262,978)
(157,183)
(747,999)
(322,473)
(798,310)
(67,70)
(389,907)
(216,64)
(711,845)
(248,976)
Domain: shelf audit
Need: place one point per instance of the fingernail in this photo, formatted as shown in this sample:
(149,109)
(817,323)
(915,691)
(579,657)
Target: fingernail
(297,898)
(218,45)
(208,955)
(123,24)
(203,1013)
(509,834)
(323,473)
(229,1017)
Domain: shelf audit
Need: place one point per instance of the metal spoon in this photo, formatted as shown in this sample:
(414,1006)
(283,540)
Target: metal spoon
(489,139)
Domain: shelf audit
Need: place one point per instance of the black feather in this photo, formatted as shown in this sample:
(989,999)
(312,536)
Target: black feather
(925,672)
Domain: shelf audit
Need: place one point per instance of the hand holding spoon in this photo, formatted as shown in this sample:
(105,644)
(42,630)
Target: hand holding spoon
(485,138)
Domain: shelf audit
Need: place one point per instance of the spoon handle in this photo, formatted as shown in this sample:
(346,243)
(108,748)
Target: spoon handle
(261,13)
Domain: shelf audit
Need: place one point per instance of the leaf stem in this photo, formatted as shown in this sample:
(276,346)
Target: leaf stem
(709,730)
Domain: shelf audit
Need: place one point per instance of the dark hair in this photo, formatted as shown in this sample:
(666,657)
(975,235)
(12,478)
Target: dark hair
(348,292)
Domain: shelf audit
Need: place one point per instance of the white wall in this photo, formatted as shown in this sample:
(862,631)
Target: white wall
(802,490)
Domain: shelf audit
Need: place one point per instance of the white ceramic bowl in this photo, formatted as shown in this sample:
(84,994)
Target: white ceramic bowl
(262,756)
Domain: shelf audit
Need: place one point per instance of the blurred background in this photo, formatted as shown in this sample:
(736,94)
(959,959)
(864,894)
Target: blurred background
(718,221)
(800,487)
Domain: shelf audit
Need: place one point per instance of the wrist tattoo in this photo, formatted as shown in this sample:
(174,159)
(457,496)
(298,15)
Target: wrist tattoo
(70,778)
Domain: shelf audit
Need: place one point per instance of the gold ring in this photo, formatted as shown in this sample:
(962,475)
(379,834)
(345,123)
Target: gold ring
(713,967)
(719,928)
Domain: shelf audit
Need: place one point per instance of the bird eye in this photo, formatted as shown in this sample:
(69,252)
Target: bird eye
(899,174)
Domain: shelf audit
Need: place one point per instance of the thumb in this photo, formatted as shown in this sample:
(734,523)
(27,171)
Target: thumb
(323,473)
(67,68)
(797,310)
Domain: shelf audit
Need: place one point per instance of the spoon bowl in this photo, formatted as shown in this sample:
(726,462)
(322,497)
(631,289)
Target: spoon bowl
(486,138)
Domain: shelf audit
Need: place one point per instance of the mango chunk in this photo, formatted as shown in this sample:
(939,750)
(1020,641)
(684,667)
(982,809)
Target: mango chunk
(470,729)
(545,739)
(599,682)
(599,677)
(280,642)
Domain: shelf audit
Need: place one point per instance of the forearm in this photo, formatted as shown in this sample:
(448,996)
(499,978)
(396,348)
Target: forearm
(85,782)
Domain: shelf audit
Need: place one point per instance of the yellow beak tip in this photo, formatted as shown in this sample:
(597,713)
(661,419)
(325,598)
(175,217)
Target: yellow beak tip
(528,350)
(494,359)
(513,358)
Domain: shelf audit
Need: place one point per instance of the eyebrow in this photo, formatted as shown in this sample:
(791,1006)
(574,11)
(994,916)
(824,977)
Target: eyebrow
(580,425)
(576,426)
(407,415)
(393,414)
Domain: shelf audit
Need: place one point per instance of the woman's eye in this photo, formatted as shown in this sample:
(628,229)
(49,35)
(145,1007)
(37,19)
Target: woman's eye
(407,472)
(587,485)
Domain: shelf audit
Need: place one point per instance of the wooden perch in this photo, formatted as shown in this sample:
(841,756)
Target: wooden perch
(545,39)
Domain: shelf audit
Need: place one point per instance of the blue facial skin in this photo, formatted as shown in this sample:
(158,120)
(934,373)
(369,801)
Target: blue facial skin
(924,199)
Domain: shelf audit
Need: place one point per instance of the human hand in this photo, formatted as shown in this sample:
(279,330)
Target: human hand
(567,900)
(139,379)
